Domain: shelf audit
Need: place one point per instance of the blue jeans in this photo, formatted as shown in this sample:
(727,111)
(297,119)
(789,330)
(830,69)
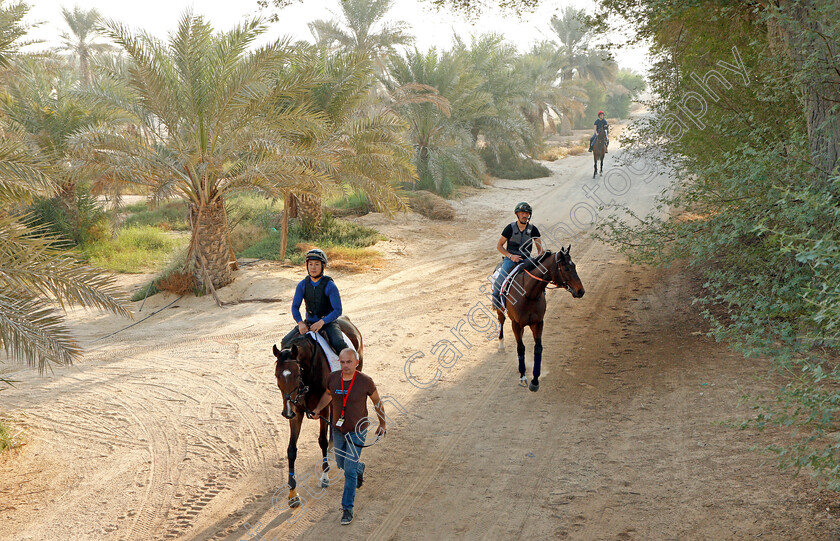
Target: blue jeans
(347,458)
(507,265)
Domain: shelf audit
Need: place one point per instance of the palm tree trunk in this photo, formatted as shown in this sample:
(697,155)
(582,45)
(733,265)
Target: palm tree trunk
(210,245)
(310,212)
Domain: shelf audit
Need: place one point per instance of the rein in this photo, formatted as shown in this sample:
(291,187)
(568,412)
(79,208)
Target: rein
(312,415)
(564,285)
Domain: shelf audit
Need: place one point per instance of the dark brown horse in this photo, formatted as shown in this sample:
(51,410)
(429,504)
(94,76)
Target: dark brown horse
(599,148)
(525,303)
(301,372)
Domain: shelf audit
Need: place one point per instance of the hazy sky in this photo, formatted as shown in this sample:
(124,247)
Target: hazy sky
(431,27)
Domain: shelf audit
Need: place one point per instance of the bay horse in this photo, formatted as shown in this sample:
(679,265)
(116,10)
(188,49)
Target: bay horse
(599,148)
(301,371)
(525,303)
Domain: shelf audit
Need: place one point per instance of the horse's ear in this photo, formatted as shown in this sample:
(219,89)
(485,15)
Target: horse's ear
(294,351)
(275,351)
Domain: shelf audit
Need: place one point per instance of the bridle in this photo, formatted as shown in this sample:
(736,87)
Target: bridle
(301,388)
(557,283)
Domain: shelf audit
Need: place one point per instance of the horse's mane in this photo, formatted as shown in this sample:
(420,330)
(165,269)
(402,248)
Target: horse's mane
(531,263)
(316,369)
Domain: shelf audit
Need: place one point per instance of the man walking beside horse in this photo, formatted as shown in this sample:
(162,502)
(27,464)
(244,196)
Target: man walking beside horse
(348,391)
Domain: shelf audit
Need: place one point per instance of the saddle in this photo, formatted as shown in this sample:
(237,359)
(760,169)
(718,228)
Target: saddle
(332,356)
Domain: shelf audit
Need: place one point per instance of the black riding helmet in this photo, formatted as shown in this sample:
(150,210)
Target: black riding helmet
(523,207)
(317,255)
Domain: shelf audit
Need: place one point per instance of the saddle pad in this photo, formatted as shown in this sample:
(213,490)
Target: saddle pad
(332,358)
(511,275)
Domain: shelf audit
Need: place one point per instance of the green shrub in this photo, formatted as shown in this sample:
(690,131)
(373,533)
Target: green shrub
(83,222)
(135,249)
(509,166)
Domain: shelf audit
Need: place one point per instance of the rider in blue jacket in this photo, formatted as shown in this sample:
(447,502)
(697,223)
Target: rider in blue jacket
(323,303)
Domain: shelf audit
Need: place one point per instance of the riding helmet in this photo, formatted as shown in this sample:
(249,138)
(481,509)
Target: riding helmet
(523,207)
(317,255)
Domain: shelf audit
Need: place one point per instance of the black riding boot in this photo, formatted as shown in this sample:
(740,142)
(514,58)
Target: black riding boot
(334,337)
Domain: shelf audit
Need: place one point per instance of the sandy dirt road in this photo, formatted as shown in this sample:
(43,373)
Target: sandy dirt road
(172,429)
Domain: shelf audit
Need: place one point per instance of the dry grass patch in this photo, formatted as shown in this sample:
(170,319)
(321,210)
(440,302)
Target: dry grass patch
(179,283)
(430,205)
(553,153)
(577,150)
(349,259)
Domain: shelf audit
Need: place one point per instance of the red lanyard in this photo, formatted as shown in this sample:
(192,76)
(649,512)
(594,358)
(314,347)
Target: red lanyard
(347,394)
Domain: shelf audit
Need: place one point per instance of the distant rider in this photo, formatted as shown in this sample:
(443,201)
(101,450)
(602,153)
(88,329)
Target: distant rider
(600,123)
(515,245)
(323,303)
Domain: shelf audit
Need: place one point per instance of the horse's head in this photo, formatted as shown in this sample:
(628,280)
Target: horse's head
(565,275)
(289,376)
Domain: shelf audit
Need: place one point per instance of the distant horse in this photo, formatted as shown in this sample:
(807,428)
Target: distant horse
(525,303)
(599,148)
(301,372)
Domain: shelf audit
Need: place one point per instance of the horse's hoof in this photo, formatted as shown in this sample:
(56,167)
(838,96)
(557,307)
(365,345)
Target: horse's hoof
(324,482)
(501,345)
(294,502)
(534,386)
(523,381)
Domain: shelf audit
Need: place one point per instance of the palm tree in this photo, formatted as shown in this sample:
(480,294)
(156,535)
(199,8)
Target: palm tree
(373,154)
(36,280)
(541,68)
(363,30)
(212,119)
(40,101)
(80,42)
(440,124)
(502,127)
(579,59)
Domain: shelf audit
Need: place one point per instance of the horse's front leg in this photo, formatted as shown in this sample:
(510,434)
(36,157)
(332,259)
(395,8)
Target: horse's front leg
(595,172)
(520,348)
(324,442)
(291,455)
(536,330)
(501,315)
(602,165)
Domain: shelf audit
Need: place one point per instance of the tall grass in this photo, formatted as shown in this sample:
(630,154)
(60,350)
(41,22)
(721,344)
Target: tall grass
(355,202)
(168,216)
(332,235)
(135,249)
